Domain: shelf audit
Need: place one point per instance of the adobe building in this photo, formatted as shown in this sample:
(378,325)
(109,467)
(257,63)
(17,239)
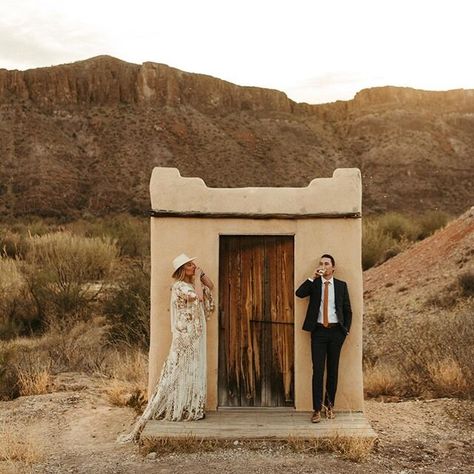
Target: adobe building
(258,245)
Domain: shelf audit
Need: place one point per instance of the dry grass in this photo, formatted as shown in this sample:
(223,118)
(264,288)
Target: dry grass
(448,376)
(34,382)
(18,445)
(126,378)
(381,380)
(77,345)
(466,283)
(421,353)
(185,444)
(27,364)
(353,448)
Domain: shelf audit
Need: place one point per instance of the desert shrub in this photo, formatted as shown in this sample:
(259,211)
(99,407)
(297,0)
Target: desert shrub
(9,385)
(11,283)
(431,221)
(375,243)
(80,346)
(131,234)
(28,226)
(435,353)
(27,364)
(381,379)
(466,283)
(66,272)
(12,244)
(387,235)
(399,226)
(15,317)
(25,368)
(126,377)
(127,306)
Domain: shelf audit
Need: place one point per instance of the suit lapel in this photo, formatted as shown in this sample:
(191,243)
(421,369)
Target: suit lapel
(317,290)
(336,289)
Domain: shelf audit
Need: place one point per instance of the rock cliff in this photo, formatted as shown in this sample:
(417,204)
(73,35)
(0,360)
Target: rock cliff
(83,138)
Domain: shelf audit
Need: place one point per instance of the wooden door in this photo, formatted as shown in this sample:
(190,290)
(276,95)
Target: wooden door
(256,321)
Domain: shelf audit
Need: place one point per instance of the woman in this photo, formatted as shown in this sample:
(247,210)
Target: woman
(180,394)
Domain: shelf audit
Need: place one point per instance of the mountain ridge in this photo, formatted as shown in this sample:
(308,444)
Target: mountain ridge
(83,138)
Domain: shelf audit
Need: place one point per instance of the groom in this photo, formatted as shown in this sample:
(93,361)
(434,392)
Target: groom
(328,318)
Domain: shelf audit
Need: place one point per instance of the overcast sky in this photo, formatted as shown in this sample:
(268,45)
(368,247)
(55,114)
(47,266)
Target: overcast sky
(313,50)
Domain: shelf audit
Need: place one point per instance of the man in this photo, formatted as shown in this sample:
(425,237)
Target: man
(328,318)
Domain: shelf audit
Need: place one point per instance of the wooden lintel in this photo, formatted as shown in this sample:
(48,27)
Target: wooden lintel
(251,215)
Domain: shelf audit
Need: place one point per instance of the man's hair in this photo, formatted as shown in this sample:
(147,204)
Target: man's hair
(326,255)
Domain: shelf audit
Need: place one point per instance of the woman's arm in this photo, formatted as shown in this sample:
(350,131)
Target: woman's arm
(198,283)
(207,281)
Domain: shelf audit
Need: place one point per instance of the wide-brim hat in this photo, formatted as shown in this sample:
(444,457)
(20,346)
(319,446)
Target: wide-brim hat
(180,260)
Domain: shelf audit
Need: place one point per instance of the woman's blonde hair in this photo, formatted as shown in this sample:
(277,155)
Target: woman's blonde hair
(179,274)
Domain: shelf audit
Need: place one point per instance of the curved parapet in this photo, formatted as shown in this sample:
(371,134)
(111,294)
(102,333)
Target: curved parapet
(339,196)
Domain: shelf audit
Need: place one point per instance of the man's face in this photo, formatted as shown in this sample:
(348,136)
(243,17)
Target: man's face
(326,264)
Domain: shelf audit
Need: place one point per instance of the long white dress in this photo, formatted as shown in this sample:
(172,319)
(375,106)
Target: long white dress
(180,393)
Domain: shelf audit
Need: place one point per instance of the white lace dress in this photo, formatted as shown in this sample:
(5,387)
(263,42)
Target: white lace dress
(180,393)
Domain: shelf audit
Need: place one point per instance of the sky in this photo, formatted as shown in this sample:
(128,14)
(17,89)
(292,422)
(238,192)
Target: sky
(315,51)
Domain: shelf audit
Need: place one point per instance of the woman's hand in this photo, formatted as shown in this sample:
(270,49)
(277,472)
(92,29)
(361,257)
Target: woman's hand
(198,283)
(198,273)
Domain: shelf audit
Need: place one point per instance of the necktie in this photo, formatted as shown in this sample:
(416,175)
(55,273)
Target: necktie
(325,304)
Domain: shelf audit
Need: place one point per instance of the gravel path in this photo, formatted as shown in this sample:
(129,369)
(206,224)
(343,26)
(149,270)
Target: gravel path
(74,431)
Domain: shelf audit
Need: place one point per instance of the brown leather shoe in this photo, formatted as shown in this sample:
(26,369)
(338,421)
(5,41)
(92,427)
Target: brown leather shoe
(330,415)
(316,417)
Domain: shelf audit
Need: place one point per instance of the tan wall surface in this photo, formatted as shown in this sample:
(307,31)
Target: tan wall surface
(200,237)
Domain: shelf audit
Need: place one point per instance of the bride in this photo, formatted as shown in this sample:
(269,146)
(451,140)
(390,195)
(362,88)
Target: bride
(180,393)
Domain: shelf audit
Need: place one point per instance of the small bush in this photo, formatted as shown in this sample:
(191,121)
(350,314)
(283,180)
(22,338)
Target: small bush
(430,222)
(126,382)
(466,283)
(12,244)
(67,272)
(26,364)
(381,379)
(387,235)
(9,386)
(375,243)
(15,318)
(399,226)
(127,306)
(425,354)
(131,234)
(446,297)
(35,382)
(448,377)
(77,346)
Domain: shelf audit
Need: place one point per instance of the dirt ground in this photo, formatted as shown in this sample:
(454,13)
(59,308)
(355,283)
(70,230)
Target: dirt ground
(74,430)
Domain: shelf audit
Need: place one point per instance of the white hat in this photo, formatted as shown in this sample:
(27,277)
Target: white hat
(181,260)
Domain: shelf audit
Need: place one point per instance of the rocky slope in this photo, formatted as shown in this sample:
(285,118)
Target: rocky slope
(82,138)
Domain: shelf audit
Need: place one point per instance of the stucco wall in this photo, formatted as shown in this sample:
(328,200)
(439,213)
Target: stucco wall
(199,236)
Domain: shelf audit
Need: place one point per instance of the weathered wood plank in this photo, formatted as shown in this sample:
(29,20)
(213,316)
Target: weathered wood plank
(236,215)
(253,424)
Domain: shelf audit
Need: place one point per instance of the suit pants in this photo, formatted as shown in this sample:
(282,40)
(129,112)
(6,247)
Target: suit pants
(326,344)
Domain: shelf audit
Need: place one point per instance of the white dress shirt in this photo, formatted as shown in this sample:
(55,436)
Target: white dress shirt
(332,317)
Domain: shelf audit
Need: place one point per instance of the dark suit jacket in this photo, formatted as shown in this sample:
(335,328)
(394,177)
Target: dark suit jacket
(341,296)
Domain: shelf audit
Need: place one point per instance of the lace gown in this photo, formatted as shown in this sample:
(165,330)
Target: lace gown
(180,393)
